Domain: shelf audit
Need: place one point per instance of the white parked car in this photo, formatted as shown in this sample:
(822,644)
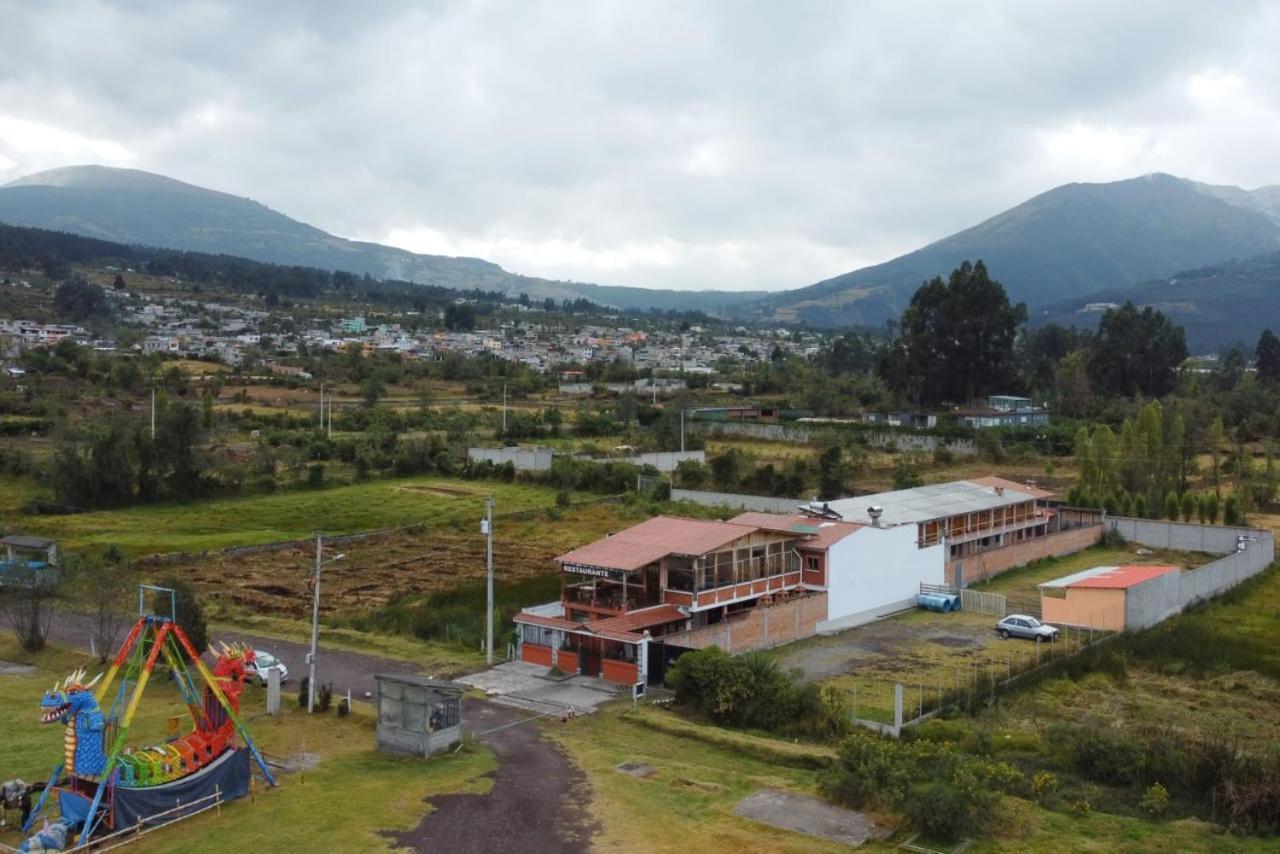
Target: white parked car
(262,660)
(1022,626)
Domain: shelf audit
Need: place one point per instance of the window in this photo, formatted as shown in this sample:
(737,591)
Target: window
(813,563)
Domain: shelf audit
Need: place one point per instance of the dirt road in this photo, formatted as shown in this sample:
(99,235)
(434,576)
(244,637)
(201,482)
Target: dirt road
(537,803)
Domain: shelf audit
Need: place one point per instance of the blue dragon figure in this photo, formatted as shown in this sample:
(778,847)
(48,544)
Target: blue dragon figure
(71,702)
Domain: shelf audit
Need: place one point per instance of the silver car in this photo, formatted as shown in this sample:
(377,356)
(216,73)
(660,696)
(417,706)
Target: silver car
(1023,626)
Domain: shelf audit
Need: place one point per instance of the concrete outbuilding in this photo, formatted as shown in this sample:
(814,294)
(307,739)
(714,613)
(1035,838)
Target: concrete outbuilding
(418,716)
(1095,598)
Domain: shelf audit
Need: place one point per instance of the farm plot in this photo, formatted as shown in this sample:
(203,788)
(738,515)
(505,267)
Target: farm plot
(401,565)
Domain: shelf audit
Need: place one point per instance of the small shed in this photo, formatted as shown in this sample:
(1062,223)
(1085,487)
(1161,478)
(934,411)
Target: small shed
(30,550)
(416,715)
(1096,598)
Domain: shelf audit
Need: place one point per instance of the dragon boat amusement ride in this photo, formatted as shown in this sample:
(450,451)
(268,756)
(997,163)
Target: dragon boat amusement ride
(102,785)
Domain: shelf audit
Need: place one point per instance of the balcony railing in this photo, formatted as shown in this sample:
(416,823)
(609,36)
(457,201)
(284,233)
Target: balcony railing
(607,598)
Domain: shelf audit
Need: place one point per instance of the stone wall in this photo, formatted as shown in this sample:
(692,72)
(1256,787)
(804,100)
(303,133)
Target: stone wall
(761,627)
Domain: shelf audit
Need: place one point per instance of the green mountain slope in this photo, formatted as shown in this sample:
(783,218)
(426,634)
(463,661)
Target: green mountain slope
(1068,242)
(1218,305)
(130,206)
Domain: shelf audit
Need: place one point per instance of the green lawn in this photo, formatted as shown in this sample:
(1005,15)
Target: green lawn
(1023,580)
(340,805)
(218,523)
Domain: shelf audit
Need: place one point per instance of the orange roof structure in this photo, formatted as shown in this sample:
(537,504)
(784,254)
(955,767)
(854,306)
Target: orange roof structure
(817,533)
(654,539)
(1122,577)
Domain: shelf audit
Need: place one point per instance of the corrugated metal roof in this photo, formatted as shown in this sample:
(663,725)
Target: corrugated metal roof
(1110,577)
(935,501)
(1123,577)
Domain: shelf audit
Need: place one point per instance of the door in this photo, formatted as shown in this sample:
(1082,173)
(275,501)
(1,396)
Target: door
(589,657)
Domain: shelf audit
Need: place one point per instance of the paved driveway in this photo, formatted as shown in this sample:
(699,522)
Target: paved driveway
(527,686)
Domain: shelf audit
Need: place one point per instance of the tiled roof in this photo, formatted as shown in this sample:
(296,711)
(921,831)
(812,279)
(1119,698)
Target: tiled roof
(1122,577)
(653,539)
(548,622)
(816,533)
(636,621)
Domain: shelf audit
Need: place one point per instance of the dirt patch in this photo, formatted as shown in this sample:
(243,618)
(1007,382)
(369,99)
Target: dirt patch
(953,642)
(637,769)
(536,803)
(438,490)
(13,668)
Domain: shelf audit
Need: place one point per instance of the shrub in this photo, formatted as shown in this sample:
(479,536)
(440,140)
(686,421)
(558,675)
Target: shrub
(1043,785)
(303,692)
(941,811)
(1155,801)
(324,697)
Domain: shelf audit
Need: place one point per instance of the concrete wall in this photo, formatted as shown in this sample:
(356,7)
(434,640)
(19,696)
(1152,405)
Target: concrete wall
(666,461)
(1182,536)
(805,434)
(877,571)
(761,503)
(761,627)
(524,459)
(995,561)
(1166,595)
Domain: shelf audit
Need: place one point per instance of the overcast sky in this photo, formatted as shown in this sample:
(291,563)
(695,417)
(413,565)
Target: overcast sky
(687,145)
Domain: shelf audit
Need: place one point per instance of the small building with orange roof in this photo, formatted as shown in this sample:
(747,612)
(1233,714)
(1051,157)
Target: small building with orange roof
(1095,598)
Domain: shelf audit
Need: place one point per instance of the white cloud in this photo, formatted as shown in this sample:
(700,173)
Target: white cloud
(36,145)
(667,144)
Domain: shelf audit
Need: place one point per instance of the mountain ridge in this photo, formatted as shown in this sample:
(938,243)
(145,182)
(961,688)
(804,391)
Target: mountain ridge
(136,207)
(1069,241)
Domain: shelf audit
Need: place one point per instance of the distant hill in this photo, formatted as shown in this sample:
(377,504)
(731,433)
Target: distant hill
(1218,305)
(1068,242)
(134,207)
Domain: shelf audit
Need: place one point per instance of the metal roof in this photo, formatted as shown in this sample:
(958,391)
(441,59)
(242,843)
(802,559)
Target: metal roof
(935,501)
(1111,577)
(21,541)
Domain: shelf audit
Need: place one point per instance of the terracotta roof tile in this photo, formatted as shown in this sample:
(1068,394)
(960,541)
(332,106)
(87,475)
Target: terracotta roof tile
(655,538)
(636,621)
(815,533)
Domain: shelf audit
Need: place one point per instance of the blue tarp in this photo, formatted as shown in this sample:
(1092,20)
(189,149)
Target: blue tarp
(228,775)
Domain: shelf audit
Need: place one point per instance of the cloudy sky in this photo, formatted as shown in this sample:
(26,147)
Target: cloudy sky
(685,144)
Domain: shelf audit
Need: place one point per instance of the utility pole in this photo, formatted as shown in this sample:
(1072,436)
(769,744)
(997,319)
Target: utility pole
(682,429)
(488,553)
(330,416)
(504,411)
(322,407)
(315,621)
(315,627)
(153,413)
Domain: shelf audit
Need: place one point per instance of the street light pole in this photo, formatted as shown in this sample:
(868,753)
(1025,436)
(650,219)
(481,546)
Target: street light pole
(488,550)
(315,621)
(315,628)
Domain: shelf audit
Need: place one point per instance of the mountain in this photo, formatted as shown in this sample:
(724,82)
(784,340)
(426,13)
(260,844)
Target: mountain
(1217,305)
(135,207)
(1068,242)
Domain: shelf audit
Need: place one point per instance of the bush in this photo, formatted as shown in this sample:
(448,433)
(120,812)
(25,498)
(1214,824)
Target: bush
(1155,801)
(187,611)
(751,691)
(943,811)
(1043,785)
(324,697)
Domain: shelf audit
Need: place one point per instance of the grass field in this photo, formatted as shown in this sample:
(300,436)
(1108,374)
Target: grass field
(312,811)
(222,522)
(1023,580)
(688,804)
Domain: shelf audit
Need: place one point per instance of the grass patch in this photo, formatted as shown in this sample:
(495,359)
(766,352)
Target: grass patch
(223,522)
(314,811)
(688,805)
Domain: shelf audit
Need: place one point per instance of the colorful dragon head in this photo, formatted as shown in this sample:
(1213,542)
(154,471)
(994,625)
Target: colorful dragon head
(69,698)
(230,660)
